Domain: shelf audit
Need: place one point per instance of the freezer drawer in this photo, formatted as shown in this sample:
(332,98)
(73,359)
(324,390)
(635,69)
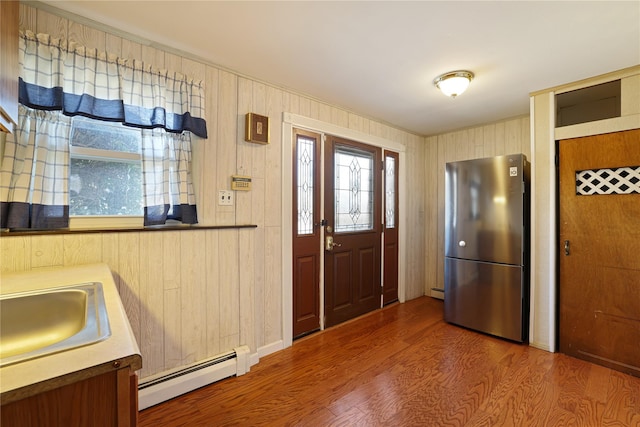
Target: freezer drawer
(487,297)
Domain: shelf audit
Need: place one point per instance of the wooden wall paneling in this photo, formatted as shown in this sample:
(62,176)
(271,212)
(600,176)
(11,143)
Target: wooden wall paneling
(339,117)
(87,36)
(489,136)
(226,141)
(194,70)
(131,50)
(113,45)
(431,216)
(205,155)
(293,102)
(229,279)
(172,302)
(314,109)
(500,139)
(173,62)
(247,262)
(304,106)
(272,202)
(259,280)
(82,248)
(16,253)
(198,162)
(512,137)
(46,251)
(415,218)
(273,288)
(28,18)
(324,112)
(443,156)
(244,150)
(53,25)
(258,196)
(355,122)
(212,271)
(478,142)
(152,56)
(110,250)
(128,269)
(151,303)
(524,136)
(259,105)
(194,303)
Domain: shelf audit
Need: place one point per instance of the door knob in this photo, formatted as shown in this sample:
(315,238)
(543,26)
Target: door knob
(329,244)
(567,249)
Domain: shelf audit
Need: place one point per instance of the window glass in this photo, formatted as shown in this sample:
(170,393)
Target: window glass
(305,158)
(390,192)
(354,190)
(105,170)
(102,135)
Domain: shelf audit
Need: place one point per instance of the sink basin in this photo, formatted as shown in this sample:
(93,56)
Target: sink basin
(39,323)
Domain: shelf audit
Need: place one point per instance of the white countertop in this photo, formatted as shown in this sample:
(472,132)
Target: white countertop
(44,373)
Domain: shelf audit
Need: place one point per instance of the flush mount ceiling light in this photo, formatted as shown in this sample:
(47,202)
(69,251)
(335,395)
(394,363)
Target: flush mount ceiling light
(453,83)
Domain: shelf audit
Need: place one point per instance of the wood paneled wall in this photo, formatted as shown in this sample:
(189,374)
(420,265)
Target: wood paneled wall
(194,294)
(505,137)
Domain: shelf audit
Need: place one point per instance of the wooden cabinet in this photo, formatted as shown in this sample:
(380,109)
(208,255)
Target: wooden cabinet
(108,399)
(9,70)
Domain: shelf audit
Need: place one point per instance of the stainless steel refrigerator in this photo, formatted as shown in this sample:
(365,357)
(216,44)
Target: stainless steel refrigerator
(486,271)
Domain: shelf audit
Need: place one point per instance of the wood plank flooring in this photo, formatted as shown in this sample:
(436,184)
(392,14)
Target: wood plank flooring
(404,366)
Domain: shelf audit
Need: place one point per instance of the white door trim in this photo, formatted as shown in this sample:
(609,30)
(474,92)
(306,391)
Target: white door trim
(289,121)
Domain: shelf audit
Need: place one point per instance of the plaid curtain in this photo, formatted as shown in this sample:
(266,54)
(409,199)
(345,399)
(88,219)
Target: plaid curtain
(61,79)
(34,175)
(60,75)
(166,174)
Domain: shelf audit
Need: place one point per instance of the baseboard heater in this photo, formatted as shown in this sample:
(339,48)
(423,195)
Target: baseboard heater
(162,387)
(437,293)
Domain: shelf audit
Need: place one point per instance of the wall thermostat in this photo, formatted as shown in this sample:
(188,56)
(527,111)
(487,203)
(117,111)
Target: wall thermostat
(240,183)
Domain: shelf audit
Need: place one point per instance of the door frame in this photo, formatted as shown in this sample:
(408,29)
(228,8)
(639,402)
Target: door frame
(290,121)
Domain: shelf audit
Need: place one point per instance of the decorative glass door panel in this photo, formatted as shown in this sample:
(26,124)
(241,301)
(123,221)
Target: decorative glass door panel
(354,196)
(305,158)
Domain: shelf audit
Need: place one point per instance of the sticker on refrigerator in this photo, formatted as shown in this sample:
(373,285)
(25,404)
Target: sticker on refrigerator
(513,171)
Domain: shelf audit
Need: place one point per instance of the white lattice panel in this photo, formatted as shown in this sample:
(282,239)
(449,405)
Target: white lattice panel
(625,180)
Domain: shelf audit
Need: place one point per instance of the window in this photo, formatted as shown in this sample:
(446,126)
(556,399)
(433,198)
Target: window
(105,174)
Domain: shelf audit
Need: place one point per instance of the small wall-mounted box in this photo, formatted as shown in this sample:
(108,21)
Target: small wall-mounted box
(240,183)
(256,128)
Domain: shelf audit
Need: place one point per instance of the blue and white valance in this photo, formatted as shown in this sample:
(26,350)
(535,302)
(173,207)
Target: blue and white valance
(61,75)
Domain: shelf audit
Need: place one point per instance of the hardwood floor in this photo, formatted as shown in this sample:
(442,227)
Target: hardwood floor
(404,366)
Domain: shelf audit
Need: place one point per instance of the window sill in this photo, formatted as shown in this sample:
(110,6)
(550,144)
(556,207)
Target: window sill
(124,230)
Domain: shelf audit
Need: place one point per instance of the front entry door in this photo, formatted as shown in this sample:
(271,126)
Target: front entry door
(599,185)
(353,229)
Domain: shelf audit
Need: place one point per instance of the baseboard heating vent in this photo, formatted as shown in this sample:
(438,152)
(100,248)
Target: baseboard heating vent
(168,385)
(437,293)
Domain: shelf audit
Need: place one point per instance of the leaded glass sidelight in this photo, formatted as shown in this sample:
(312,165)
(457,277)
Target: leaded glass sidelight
(354,192)
(390,192)
(305,149)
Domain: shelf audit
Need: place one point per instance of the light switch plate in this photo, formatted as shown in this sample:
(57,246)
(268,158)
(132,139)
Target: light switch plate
(225,198)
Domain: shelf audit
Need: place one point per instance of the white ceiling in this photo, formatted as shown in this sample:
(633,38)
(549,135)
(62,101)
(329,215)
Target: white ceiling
(379,58)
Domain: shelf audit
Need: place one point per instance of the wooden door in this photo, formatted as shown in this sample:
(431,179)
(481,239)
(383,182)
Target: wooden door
(599,188)
(391,224)
(306,232)
(353,214)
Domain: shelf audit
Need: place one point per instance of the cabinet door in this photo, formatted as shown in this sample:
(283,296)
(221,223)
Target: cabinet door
(9,14)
